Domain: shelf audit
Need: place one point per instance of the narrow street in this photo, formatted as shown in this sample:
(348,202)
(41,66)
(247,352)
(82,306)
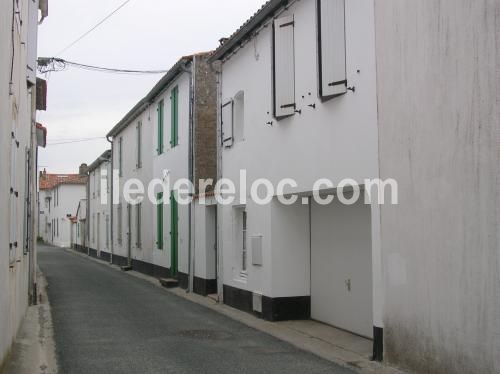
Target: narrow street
(106,321)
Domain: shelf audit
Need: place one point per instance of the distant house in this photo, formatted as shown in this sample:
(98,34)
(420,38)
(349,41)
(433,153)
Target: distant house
(98,221)
(59,196)
(171,133)
(79,226)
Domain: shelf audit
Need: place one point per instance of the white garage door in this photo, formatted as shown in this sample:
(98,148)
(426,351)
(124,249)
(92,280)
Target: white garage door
(341,266)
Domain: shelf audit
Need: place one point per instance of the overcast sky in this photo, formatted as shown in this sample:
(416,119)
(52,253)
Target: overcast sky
(145,35)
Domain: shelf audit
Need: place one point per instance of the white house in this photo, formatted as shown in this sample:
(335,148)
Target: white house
(21,94)
(168,135)
(79,227)
(59,197)
(98,230)
(352,89)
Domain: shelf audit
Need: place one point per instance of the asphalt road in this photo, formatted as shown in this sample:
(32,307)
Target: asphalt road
(106,321)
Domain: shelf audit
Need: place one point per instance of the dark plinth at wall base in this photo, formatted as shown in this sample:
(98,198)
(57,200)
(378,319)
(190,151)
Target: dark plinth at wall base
(105,256)
(93,253)
(378,344)
(238,298)
(286,308)
(120,260)
(273,309)
(204,287)
(183,280)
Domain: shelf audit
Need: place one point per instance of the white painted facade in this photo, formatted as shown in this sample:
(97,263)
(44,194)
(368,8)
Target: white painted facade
(142,235)
(335,139)
(18,198)
(438,101)
(99,204)
(56,220)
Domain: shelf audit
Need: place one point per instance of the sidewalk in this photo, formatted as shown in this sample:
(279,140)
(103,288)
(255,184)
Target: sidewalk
(34,348)
(321,340)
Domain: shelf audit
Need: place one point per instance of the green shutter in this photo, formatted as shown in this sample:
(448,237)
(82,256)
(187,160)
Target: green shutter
(174,125)
(160,127)
(174,234)
(159,221)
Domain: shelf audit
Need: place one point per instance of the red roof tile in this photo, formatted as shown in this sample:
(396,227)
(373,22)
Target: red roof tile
(49,181)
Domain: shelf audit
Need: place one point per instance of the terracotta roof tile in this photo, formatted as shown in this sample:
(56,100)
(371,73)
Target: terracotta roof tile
(49,181)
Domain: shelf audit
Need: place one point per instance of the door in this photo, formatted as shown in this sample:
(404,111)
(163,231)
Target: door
(341,266)
(174,235)
(211,244)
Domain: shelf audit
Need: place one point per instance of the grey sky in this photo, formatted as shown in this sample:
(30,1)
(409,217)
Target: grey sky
(145,34)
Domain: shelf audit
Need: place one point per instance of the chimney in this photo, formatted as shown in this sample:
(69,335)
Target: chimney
(83,169)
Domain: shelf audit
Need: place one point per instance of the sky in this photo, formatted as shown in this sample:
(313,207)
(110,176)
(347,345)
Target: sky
(143,35)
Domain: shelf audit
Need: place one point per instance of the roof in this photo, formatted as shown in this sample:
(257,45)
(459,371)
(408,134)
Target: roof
(106,156)
(257,20)
(179,67)
(50,181)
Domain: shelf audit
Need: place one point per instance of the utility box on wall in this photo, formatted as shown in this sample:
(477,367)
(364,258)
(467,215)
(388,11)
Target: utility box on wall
(256,245)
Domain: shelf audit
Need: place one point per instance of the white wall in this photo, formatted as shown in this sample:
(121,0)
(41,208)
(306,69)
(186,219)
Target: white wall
(130,171)
(68,199)
(437,65)
(176,161)
(336,140)
(99,199)
(16,114)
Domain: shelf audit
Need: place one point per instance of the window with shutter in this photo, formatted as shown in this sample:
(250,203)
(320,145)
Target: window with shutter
(14,194)
(227,124)
(174,112)
(160,128)
(331,48)
(283,67)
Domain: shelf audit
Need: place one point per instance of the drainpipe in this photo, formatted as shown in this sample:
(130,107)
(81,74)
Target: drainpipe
(191,173)
(111,189)
(220,273)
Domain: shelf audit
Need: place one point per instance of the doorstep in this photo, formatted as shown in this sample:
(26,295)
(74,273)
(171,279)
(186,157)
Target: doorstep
(329,343)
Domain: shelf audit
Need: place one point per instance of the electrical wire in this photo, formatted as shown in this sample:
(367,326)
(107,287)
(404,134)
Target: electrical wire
(54,64)
(92,29)
(76,141)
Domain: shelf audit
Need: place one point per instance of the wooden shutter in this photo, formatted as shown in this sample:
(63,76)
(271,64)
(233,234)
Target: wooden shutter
(227,124)
(160,127)
(331,48)
(174,127)
(159,221)
(284,67)
(139,145)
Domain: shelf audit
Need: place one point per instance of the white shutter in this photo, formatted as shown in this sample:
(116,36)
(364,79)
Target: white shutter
(331,48)
(14,193)
(32,40)
(284,67)
(227,124)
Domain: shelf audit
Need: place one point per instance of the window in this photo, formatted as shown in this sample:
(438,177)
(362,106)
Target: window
(244,241)
(119,222)
(227,124)
(93,228)
(57,222)
(239,117)
(174,110)
(283,67)
(240,237)
(138,218)
(159,221)
(331,48)
(120,156)
(139,145)
(98,181)
(160,134)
